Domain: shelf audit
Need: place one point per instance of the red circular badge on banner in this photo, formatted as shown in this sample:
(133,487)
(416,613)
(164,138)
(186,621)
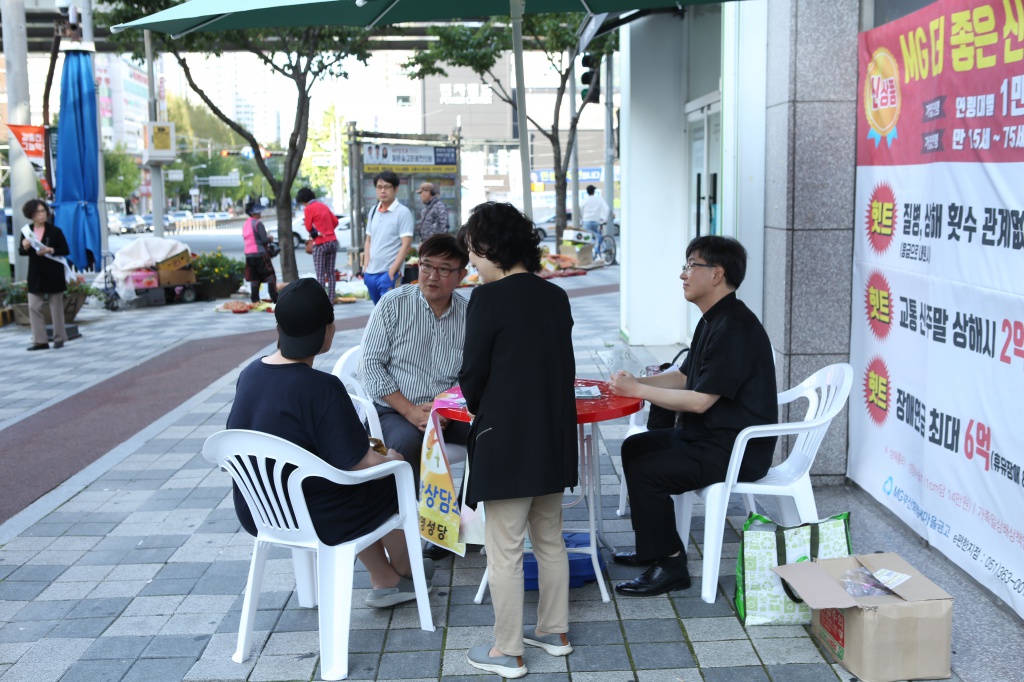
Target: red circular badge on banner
(878,305)
(882,218)
(877,390)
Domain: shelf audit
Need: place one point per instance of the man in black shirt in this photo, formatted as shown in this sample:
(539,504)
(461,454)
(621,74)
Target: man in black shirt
(726,384)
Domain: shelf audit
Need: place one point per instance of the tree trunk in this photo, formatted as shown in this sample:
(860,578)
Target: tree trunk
(560,186)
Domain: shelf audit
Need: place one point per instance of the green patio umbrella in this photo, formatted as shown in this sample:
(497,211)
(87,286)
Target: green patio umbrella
(225,15)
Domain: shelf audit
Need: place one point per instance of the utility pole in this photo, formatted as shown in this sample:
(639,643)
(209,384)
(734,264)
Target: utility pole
(609,144)
(576,222)
(156,172)
(23,176)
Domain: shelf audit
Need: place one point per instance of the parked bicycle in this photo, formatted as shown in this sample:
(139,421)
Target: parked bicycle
(605,247)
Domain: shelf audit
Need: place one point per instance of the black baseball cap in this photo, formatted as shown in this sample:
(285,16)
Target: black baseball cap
(303,312)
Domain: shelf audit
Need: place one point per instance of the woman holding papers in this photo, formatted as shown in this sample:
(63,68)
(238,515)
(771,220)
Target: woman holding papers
(44,244)
(517,378)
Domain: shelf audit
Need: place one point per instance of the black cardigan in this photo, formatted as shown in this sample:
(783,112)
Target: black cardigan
(46,276)
(517,377)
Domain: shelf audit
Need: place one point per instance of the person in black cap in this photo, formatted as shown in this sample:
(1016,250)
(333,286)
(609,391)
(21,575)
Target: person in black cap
(281,394)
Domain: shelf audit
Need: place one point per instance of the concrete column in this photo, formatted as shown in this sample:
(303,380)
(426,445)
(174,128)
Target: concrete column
(809,189)
(654,188)
(23,176)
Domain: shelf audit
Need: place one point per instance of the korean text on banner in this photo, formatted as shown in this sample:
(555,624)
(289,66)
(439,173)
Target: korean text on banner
(439,506)
(938,300)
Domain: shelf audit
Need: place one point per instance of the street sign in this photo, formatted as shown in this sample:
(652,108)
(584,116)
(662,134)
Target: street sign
(225,180)
(174,175)
(193,191)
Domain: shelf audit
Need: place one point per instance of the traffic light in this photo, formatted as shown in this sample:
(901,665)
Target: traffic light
(590,78)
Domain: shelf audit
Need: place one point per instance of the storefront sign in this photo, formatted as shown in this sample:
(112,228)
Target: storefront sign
(938,297)
(408,159)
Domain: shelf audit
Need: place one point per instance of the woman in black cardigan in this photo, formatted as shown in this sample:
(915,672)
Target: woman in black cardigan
(517,377)
(46,279)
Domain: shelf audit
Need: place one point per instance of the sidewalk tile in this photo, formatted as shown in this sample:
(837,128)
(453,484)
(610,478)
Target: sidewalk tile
(660,630)
(597,658)
(818,672)
(796,650)
(136,625)
(99,608)
(47,660)
(116,647)
(713,629)
(662,655)
(745,674)
(153,606)
(265,621)
(727,654)
(26,631)
(289,667)
(65,591)
(159,670)
(192,623)
(23,591)
(36,572)
(169,646)
(409,665)
(684,675)
(414,640)
(589,634)
(631,608)
(45,610)
(81,628)
(10,652)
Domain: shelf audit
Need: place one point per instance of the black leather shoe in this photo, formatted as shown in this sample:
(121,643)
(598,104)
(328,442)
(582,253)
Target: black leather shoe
(58,344)
(435,552)
(629,559)
(664,576)
(38,346)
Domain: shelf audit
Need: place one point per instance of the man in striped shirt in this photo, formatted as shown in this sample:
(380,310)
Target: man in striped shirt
(412,349)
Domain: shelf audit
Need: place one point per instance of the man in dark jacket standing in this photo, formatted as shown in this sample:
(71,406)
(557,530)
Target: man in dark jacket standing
(434,219)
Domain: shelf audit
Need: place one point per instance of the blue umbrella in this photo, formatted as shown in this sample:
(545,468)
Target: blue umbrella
(77,180)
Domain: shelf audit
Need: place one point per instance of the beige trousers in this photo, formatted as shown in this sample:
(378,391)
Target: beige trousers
(35,317)
(506,523)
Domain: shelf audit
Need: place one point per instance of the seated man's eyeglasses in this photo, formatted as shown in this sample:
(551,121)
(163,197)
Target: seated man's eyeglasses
(690,265)
(427,269)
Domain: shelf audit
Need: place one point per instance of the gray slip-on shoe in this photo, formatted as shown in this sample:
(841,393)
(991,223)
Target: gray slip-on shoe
(509,667)
(404,591)
(555,644)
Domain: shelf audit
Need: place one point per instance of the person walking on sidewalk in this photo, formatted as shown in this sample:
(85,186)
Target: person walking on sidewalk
(434,219)
(388,238)
(45,245)
(320,223)
(517,376)
(259,267)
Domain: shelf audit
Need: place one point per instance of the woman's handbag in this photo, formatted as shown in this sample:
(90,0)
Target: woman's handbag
(309,246)
(273,249)
(660,417)
(762,597)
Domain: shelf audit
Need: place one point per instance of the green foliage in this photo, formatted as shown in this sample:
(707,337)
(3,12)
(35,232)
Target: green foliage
(322,141)
(214,267)
(122,173)
(195,122)
(13,292)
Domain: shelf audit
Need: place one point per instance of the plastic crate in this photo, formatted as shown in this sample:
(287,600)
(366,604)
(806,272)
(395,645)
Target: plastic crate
(581,568)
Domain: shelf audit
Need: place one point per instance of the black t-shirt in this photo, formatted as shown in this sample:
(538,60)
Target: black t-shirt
(731,356)
(312,410)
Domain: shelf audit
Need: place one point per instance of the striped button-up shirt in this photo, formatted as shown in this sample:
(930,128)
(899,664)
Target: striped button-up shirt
(406,348)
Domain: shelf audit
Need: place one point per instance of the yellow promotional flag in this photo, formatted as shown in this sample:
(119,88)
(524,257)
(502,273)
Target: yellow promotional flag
(439,506)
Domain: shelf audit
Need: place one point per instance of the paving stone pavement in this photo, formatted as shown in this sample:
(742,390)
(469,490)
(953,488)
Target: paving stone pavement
(134,569)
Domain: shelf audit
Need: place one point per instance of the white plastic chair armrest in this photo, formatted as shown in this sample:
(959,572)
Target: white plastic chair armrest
(739,448)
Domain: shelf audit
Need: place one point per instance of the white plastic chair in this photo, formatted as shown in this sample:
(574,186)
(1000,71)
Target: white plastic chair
(269,471)
(368,415)
(347,369)
(826,392)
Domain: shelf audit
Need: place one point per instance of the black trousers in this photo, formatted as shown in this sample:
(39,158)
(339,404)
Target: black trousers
(657,465)
(403,437)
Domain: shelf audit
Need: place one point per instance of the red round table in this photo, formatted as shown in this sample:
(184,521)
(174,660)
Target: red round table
(452,405)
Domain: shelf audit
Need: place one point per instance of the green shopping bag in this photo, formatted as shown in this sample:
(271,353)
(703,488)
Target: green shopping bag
(762,598)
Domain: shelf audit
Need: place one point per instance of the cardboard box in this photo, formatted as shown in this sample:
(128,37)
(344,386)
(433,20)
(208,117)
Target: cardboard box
(173,278)
(175,262)
(145,279)
(903,636)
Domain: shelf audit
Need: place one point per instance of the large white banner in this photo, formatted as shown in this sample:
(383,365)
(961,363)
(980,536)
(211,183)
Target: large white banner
(938,282)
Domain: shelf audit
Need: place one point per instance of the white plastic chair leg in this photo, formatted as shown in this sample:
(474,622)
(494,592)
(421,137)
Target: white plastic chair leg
(479,598)
(250,603)
(748,500)
(684,514)
(800,508)
(419,578)
(335,609)
(305,576)
(623,499)
(716,504)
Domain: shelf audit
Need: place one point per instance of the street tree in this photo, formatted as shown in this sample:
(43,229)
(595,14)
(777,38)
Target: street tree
(304,55)
(485,47)
(122,174)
